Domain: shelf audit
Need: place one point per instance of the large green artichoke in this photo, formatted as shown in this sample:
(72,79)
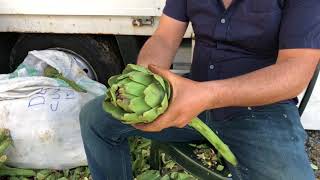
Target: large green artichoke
(140,96)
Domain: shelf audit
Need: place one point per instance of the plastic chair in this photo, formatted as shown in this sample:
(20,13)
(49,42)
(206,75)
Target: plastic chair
(183,154)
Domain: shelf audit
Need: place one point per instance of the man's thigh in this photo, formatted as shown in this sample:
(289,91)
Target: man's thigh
(268,142)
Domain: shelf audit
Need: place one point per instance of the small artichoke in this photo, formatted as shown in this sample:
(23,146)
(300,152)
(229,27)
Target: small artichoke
(140,96)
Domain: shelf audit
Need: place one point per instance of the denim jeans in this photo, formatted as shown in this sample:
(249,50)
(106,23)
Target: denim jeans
(268,142)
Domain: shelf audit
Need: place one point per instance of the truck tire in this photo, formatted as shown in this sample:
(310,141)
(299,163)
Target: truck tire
(7,40)
(99,54)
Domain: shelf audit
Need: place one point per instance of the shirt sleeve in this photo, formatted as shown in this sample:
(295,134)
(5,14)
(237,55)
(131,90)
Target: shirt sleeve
(176,9)
(300,25)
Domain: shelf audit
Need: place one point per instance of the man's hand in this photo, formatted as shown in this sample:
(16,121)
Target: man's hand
(189,98)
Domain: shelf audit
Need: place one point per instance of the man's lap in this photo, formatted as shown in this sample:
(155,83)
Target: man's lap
(268,141)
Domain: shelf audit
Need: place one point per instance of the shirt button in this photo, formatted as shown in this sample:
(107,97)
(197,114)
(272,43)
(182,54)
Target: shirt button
(223,21)
(211,66)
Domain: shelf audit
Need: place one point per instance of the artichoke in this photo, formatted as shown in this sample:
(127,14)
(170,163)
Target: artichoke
(140,96)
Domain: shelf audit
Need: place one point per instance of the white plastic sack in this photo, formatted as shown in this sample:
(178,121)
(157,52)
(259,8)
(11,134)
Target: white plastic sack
(311,116)
(42,113)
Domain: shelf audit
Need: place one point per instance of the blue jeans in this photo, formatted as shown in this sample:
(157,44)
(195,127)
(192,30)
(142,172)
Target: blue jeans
(268,142)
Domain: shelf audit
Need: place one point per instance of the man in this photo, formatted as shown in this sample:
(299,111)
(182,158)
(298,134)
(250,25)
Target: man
(251,59)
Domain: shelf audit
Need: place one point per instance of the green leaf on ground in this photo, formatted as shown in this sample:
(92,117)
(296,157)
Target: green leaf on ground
(149,175)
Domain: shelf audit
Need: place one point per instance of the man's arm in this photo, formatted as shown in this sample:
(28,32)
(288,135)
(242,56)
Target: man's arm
(283,80)
(161,48)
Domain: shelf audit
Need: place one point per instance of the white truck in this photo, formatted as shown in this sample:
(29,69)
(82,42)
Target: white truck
(102,35)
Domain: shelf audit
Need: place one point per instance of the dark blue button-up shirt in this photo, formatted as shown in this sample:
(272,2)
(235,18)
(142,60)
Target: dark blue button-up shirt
(246,36)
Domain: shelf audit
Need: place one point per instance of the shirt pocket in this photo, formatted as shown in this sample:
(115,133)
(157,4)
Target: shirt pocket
(264,6)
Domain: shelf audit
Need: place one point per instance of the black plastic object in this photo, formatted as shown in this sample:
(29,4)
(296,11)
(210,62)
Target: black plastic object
(309,90)
(183,154)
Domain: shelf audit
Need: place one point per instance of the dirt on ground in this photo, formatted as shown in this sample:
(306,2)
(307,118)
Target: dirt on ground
(313,149)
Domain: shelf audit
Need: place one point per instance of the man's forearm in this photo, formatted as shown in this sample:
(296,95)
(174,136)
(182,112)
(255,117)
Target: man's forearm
(278,82)
(161,48)
(157,52)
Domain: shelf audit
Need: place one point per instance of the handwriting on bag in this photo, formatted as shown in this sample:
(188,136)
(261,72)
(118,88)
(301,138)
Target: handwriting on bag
(51,97)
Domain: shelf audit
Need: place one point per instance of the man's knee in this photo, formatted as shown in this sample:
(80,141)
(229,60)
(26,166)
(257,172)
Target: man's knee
(94,121)
(89,114)
(286,162)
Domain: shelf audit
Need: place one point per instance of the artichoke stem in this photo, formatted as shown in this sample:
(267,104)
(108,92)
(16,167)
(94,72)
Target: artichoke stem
(204,130)
(72,84)
(54,73)
(8,171)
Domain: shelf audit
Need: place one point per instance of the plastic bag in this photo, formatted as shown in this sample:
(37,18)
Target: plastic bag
(311,116)
(43,113)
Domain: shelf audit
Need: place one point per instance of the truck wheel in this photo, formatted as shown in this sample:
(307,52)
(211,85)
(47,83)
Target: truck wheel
(97,58)
(7,40)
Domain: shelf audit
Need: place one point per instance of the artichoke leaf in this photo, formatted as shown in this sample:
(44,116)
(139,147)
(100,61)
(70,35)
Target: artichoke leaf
(122,82)
(124,95)
(107,95)
(150,115)
(134,88)
(124,76)
(168,88)
(138,77)
(164,105)
(160,80)
(131,118)
(123,99)
(153,95)
(115,111)
(114,88)
(138,105)
(124,104)
(141,78)
(113,79)
(133,67)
